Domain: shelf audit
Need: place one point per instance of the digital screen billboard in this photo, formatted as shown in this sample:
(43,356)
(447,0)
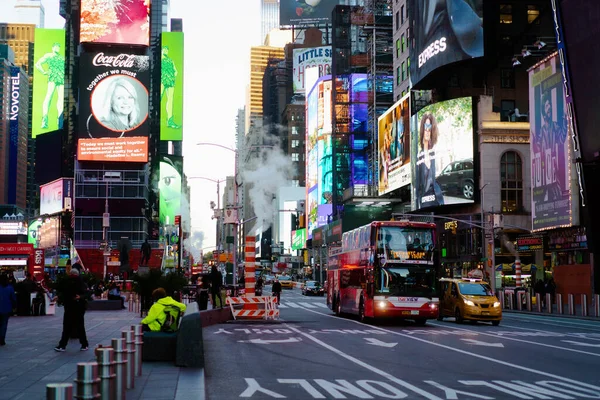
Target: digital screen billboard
(115,21)
(113,107)
(299,239)
(169,189)
(442,154)
(443,32)
(314,57)
(33,231)
(56,196)
(48,81)
(171,86)
(550,148)
(14,116)
(393,147)
(300,12)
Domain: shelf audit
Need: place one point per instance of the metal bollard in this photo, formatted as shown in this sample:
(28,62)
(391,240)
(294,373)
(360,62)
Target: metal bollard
(584,305)
(130,341)
(597,305)
(59,391)
(559,303)
(502,303)
(138,334)
(571,304)
(548,303)
(130,302)
(120,348)
(511,303)
(106,364)
(87,381)
(519,300)
(528,301)
(538,302)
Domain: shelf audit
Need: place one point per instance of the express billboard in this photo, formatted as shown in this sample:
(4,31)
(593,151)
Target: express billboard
(56,196)
(442,154)
(443,32)
(48,81)
(299,12)
(550,150)
(115,21)
(393,147)
(314,57)
(169,189)
(171,86)
(113,107)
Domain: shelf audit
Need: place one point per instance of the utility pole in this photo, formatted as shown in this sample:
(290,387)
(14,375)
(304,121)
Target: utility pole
(105,225)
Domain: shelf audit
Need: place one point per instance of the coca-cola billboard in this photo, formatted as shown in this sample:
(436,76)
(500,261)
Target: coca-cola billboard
(113,124)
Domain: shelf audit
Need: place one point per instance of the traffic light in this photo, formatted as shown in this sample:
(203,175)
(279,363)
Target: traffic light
(294,222)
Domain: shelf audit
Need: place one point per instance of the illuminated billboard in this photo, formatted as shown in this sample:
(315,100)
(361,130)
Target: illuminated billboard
(56,196)
(169,189)
(115,21)
(16,113)
(442,154)
(299,239)
(48,81)
(300,12)
(393,147)
(33,231)
(314,57)
(443,32)
(113,107)
(551,191)
(319,153)
(171,86)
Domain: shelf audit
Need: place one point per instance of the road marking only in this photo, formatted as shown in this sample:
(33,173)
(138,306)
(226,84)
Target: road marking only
(482,343)
(377,342)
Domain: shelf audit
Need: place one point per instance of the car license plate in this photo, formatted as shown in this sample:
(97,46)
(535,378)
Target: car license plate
(485,313)
(414,312)
(405,312)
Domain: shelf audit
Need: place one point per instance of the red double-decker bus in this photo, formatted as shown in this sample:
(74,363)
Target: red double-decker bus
(385,269)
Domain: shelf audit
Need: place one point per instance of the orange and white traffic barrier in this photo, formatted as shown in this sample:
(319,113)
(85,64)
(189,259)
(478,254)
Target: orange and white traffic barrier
(257,307)
(249,265)
(518,282)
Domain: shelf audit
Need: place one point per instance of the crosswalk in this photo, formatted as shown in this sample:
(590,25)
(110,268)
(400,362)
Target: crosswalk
(301,304)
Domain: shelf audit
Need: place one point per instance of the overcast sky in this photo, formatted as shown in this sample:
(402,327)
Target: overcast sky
(218,37)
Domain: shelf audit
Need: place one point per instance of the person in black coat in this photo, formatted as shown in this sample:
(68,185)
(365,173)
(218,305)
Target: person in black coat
(216,281)
(74,301)
(276,290)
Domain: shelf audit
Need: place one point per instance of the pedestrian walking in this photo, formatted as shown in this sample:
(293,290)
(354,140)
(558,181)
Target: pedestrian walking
(146,250)
(8,301)
(276,290)
(216,282)
(74,302)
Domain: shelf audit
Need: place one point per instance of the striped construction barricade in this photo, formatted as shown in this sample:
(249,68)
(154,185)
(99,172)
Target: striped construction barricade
(258,307)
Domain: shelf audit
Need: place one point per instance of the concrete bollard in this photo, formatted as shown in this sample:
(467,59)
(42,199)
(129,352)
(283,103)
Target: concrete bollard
(584,305)
(130,341)
(130,302)
(597,305)
(87,381)
(538,302)
(138,334)
(519,300)
(511,302)
(548,303)
(59,391)
(528,301)
(106,364)
(571,304)
(120,348)
(502,303)
(559,303)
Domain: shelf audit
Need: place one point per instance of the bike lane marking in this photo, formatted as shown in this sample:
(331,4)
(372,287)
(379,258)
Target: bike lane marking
(560,322)
(490,359)
(579,335)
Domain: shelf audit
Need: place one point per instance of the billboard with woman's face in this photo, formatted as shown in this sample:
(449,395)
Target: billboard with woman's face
(442,154)
(113,109)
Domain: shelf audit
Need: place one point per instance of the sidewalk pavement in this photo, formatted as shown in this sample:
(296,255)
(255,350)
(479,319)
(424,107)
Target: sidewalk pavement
(28,362)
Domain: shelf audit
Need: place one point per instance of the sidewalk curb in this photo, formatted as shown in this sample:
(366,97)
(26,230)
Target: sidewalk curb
(542,314)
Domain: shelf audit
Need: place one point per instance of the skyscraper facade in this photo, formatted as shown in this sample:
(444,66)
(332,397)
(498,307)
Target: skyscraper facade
(269,10)
(30,12)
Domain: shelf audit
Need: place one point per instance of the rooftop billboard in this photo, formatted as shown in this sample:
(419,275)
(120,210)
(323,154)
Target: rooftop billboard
(300,12)
(443,32)
(56,196)
(115,21)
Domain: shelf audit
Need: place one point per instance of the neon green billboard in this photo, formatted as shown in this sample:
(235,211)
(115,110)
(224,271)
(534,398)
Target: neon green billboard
(48,81)
(171,86)
(169,189)
(33,231)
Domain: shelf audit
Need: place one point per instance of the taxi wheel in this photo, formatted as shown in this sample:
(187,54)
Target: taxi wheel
(495,323)
(458,316)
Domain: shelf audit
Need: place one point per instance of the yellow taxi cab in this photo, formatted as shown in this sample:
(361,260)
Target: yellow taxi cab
(469,299)
(286,282)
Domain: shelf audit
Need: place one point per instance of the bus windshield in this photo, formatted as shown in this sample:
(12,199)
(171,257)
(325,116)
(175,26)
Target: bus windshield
(397,244)
(405,280)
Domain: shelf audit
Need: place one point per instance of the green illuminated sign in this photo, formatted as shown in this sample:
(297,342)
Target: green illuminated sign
(169,188)
(298,239)
(171,86)
(48,81)
(33,231)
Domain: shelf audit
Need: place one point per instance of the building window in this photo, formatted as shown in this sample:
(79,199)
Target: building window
(397,20)
(533,14)
(398,48)
(511,180)
(294,130)
(398,81)
(295,157)
(403,71)
(402,15)
(403,93)
(295,183)
(507,78)
(403,38)
(506,16)
(408,67)
(295,143)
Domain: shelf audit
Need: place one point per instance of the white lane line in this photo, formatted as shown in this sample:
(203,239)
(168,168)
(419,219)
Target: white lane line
(305,304)
(490,359)
(593,325)
(322,305)
(495,336)
(282,305)
(569,334)
(293,305)
(358,362)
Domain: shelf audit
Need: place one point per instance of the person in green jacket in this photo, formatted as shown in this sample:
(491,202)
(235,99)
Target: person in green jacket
(163,304)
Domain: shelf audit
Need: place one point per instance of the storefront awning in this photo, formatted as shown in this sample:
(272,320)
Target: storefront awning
(511,267)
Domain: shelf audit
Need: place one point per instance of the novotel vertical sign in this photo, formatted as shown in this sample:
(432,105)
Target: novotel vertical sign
(13,129)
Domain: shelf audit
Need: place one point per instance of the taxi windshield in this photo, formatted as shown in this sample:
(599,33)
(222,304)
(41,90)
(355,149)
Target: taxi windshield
(475,289)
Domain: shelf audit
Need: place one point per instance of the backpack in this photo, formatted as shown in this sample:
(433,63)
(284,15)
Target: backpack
(171,323)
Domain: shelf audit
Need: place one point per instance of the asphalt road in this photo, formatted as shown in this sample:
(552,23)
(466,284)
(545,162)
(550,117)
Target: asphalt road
(311,354)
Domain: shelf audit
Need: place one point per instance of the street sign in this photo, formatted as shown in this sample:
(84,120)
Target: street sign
(178,220)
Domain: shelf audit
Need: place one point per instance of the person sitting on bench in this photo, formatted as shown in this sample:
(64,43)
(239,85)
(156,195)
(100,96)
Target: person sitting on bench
(164,314)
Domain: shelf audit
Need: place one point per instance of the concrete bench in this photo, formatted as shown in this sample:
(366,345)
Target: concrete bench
(104,305)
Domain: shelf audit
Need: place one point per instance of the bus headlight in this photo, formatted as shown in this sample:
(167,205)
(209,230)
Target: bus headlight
(469,303)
